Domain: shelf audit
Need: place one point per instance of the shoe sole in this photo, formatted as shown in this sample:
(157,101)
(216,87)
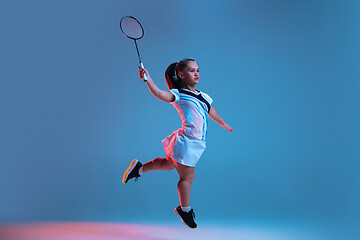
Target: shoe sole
(128,170)
(177,214)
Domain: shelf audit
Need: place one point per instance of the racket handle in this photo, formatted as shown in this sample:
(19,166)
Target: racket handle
(142,66)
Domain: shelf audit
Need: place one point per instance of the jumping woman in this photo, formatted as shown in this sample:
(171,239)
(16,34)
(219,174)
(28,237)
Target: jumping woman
(184,146)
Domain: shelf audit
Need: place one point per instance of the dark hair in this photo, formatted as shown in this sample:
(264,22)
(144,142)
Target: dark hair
(171,73)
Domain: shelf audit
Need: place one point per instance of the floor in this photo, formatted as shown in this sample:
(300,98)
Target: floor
(143,231)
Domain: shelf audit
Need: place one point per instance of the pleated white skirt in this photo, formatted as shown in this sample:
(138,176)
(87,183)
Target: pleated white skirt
(183,149)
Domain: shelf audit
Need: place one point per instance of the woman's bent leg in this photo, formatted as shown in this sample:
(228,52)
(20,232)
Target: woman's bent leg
(159,163)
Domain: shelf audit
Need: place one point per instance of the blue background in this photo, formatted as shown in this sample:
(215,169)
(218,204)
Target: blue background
(283,74)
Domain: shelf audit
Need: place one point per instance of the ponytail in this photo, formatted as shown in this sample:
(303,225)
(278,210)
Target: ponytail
(172,80)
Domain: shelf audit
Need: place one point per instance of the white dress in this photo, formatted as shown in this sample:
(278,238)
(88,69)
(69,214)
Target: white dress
(187,144)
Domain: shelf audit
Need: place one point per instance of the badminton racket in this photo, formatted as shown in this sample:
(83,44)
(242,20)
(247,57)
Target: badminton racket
(132,29)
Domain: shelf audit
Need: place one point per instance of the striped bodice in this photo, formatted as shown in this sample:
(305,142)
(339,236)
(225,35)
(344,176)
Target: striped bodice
(193,109)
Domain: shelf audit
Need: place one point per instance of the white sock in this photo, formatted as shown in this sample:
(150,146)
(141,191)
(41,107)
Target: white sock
(186,209)
(141,170)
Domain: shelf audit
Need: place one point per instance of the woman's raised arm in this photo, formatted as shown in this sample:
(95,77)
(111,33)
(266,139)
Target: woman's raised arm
(165,96)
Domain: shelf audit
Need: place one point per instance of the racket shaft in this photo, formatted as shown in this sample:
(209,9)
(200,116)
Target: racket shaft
(137,50)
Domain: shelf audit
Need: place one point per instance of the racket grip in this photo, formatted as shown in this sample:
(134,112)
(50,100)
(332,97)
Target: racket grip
(142,66)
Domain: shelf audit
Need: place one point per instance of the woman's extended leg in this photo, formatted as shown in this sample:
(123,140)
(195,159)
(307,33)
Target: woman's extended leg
(187,175)
(159,163)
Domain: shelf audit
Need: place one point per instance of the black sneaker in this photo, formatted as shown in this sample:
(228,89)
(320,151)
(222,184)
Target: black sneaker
(186,217)
(132,171)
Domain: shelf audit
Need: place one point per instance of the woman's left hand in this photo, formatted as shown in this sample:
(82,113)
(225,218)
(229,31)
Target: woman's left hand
(227,127)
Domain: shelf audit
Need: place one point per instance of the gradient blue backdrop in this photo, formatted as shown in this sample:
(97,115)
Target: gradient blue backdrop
(283,74)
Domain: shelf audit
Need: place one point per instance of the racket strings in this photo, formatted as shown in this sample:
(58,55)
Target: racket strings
(131,28)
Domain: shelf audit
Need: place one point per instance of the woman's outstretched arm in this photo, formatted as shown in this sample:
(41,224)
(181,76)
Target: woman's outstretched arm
(215,116)
(165,96)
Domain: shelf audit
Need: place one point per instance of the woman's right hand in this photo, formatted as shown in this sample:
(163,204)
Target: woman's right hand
(143,71)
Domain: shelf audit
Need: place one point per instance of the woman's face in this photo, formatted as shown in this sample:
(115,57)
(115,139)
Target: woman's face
(190,75)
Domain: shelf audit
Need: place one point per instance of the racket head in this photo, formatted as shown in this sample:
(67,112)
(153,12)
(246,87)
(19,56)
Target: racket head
(131,28)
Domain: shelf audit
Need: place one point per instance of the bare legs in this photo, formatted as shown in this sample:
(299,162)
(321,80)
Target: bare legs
(186,175)
(159,163)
